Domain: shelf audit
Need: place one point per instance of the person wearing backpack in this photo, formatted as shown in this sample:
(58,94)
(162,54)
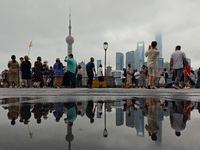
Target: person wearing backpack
(123,77)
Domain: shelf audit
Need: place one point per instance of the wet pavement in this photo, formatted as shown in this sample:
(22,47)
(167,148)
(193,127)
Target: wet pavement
(94,119)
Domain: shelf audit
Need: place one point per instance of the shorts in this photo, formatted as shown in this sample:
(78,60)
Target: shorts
(186,79)
(153,71)
(124,80)
(142,81)
(101,79)
(129,80)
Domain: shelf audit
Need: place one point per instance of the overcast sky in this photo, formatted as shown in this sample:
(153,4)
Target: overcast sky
(120,23)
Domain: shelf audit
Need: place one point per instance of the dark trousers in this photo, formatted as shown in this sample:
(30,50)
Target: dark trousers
(178,73)
(90,76)
(72,78)
(79,80)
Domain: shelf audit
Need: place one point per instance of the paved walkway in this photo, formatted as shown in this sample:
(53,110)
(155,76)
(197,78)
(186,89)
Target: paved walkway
(100,94)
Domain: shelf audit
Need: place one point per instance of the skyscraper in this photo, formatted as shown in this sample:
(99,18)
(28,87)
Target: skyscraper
(119,61)
(130,59)
(139,55)
(158,39)
(70,39)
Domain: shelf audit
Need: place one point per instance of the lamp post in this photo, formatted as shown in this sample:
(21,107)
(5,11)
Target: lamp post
(105,46)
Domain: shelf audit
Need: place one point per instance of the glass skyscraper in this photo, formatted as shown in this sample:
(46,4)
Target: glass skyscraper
(119,61)
(158,39)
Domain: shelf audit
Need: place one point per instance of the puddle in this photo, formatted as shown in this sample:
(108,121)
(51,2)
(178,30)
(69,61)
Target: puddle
(133,123)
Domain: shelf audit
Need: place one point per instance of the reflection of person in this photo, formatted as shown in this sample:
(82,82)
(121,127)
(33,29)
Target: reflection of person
(71,112)
(37,110)
(178,117)
(152,119)
(90,111)
(25,112)
(58,111)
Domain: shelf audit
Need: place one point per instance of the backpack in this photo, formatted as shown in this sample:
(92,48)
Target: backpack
(166,75)
(125,73)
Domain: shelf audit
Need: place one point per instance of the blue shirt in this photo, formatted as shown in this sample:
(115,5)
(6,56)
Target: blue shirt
(58,71)
(90,66)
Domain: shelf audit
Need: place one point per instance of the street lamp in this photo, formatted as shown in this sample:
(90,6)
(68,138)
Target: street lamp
(105,46)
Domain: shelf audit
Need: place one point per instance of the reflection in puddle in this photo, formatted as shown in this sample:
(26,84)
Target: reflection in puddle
(101,119)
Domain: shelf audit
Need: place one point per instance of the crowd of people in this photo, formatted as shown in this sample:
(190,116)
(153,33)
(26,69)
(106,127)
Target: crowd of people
(23,74)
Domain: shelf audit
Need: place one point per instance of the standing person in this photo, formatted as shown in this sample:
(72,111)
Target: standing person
(133,79)
(192,80)
(198,79)
(90,68)
(20,73)
(129,75)
(58,70)
(79,76)
(123,77)
(37,71)
(51,76)
(187,74)
(71,69)
(176,62)
(152,55)
(26,71)
(100,76)
(137,76)
(142,77)
(5,78)
(45,72)
(13,73)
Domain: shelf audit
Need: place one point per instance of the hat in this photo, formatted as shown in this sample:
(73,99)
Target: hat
(57,59)
(45,62)
(26,57)
(71,55)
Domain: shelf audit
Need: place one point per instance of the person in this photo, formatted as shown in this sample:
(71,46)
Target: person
(165,75)
(51,76)
(152,55)
(133,79)
(58,70)
(21,59)
(45,72)
(192,79)
(198,79)
(142,77)
(187,74)
(90,68)
(100,76)
(136,75)
(37,71)
(79,76)
(176,63)
(5,78)
(13,73)
(129,75)
(26,71)
(71,69)
(123,77)
(162,79)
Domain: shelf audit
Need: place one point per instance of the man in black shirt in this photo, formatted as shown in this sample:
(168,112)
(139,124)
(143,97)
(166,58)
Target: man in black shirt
(198,80)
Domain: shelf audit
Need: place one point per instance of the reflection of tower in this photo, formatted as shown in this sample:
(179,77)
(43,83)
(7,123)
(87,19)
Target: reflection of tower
(70,39)
(139,123)
(69,137)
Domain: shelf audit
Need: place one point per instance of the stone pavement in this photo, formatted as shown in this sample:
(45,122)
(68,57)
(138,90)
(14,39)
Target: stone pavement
(82,94)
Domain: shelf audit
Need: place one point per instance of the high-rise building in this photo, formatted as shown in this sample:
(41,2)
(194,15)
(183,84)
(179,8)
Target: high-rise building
(69,39)
(98,63)
(130,59)
(160,62)
(119,61)
(139,55)
(140,47)
(158,39)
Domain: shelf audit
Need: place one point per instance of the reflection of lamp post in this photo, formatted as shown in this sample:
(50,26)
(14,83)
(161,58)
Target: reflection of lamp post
(105,132)
(105,46)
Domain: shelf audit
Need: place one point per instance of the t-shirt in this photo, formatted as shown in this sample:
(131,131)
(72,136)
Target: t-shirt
(99,72)
(71,65)
(178,57)
(136,74)
(90,66)
(152,57)
(128,70)
(187,71)
(122,75)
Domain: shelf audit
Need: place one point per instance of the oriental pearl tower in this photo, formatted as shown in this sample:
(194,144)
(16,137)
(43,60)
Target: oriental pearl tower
(70,39)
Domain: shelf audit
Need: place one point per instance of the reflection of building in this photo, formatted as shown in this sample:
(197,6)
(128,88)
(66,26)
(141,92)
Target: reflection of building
(117,75)
(70,39)
(139,123)
(98,63)
(130,60)
(119,117)
(119,61)
(158,39)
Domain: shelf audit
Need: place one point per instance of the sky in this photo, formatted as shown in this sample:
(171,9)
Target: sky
(120,23)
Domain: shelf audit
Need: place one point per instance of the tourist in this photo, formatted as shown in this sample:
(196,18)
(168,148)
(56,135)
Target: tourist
(162,79)
(100,76)
(152,55)
(176,63)
(142,77)
(71,69)
(37,72)
(79,76)
(192,79)
(45,72)
(165,75)
(90,68)
(5,78)
(133,79)
(123,77)
(198,79)
(51,76)
(58,69)
(129,75)
(136,75)
(13,73)
(187,74)
(26,71)
(20,73)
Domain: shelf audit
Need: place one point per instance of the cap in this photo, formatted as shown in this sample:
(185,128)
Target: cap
(71,55)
